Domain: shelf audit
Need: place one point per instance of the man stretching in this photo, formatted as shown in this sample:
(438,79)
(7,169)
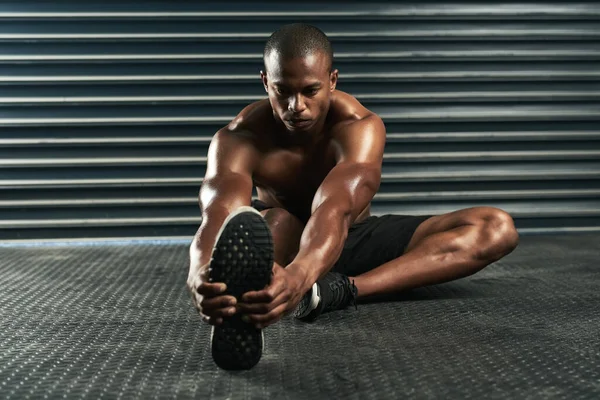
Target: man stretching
(309,244)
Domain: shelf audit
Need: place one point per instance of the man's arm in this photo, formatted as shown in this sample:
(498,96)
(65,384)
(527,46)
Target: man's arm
(227,185)
(345,192)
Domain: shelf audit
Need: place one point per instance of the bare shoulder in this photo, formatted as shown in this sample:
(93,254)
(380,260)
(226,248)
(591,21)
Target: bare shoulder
(237,146)
(353,122)
(253,120)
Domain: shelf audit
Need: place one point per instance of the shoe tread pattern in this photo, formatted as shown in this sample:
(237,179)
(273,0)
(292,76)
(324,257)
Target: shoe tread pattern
(243,259)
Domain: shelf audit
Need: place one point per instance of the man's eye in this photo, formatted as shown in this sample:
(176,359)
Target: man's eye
(312,92)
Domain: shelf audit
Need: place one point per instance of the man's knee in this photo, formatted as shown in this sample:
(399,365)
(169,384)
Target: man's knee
(286,230)
(499,228)
(281,221)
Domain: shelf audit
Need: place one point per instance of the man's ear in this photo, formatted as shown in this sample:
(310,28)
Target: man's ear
(333,78)
(263,78)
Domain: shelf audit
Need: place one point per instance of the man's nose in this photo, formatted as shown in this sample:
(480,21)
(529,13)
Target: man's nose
(296,104)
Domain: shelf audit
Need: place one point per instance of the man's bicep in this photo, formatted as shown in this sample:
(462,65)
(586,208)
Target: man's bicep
(355,179)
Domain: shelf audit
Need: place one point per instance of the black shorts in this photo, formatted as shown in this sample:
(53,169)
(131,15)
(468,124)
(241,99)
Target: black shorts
(373,241)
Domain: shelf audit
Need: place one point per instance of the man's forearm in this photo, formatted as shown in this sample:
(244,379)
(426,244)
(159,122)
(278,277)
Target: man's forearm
(234,190)
(201,248)
(322,242)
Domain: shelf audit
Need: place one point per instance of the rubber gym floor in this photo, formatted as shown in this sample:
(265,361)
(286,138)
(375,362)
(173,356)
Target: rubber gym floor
(116,321)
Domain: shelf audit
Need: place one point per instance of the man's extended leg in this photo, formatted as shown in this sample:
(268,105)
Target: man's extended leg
(443,248)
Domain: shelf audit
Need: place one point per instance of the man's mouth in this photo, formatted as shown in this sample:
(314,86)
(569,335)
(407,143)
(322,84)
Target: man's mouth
(299,122)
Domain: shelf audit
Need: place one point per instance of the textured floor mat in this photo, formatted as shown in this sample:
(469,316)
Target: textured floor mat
(117,321)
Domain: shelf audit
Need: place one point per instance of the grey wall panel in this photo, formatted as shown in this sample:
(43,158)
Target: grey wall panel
(107,108)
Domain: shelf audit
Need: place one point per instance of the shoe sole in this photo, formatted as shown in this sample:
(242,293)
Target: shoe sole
(308,304)
(242,258)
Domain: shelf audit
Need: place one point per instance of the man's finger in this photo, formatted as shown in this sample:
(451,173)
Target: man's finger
(212,320)
(211,289)
(221,312)
(218,302)
(261,296)
(262,308)
(264,320)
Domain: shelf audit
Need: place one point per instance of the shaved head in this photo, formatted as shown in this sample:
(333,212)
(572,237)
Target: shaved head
(299,79)
(297,41)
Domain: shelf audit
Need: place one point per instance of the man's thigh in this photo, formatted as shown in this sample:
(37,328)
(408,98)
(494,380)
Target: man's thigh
(375,241)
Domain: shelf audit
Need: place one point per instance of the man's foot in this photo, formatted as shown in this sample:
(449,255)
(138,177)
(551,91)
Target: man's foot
(332,292)
(242,258)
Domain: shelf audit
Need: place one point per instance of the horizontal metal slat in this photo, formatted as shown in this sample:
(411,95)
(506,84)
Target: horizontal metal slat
(159,156)
(521,210)
(106,161)
(242,93)
(379,197)
(417,157)
(250,89)
(106,240)
(246,49)
(513,172)
(492,136)
(373,56)
(591,209)
(217,114)
(430,34)
(164,189)
(96,222)
(42,142)
(451,76)
(97,202)
(150,132)
(261,29)
(512,114)
(395,152)
(487,195)
(242,100)
(451,173)
(492,156)
(363,70)
(98,182)
(470,130)
(112,121)
(264,10)
(433,137)
(105,172)
(161,189)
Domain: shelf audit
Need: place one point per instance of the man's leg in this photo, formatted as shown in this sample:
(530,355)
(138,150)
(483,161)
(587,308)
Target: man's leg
(286,230)
(443,248)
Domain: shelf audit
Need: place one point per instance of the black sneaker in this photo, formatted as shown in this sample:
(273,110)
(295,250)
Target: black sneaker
(332,292)
(242,258)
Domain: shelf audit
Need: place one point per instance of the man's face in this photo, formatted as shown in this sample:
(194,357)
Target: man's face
(299,89)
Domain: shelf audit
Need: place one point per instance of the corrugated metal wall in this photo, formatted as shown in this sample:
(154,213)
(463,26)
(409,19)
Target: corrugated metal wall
(107,108)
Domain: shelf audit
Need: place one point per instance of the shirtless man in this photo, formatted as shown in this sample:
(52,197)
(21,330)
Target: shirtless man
(309,243)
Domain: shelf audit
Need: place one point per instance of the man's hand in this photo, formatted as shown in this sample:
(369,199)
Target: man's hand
(267,306)
(206,296)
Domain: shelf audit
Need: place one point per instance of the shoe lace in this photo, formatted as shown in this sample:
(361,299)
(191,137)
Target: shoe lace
(340,290)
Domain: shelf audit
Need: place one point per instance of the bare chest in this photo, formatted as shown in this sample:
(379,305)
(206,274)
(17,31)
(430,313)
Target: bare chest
(292,177)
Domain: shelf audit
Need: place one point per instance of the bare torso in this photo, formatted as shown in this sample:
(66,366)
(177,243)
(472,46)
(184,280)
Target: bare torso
(290,172)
